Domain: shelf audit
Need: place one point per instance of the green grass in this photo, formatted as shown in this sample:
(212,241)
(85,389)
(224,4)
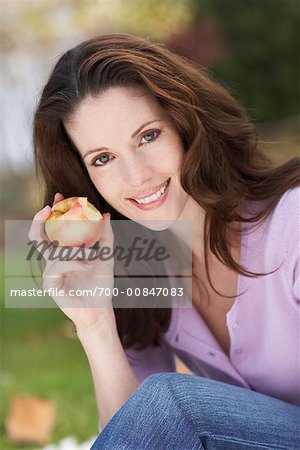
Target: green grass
(40,355)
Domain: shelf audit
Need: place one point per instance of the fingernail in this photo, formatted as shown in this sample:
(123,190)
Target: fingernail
(46,208)
(107,215)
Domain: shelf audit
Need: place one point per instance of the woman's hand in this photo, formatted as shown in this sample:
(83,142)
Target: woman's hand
(89,308)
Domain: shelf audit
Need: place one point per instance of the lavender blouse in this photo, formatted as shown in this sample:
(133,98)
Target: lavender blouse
(263,323)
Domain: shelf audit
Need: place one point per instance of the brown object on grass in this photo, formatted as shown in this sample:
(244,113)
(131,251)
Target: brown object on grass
(30,419)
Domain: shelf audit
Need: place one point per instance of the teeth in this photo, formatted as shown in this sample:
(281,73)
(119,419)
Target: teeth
(154,196)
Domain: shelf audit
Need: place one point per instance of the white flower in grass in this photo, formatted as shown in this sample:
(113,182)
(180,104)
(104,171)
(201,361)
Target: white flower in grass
(70,443)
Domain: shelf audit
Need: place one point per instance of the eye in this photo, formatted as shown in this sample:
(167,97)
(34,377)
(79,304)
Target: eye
(150,136)
(101,160)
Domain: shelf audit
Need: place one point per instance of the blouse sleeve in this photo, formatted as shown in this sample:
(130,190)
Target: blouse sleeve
(296,287)
(290,236)
(151,360)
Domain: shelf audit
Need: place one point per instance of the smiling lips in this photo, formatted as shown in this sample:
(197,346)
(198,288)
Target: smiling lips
(154,199)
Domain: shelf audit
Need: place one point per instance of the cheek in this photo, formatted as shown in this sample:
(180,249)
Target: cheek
(104,185)
(176,154)
(174,162)
(109,188)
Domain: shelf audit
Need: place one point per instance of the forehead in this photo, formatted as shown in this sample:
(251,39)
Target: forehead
(117,112)
(119,102)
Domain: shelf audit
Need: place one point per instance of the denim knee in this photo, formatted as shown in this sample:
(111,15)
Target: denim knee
(150,419)
(157,383)
(159,378)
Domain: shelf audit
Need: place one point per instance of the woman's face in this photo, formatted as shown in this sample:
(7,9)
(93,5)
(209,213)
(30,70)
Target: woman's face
(132,153)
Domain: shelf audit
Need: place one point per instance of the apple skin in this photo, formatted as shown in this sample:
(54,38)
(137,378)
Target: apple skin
(74,222)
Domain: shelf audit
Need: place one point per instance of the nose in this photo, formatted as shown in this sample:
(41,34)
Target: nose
(137,172)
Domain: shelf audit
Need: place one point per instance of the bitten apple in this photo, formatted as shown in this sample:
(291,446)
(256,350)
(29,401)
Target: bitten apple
(74,222)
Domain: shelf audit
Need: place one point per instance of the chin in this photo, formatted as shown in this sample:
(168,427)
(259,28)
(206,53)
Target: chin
(156,225)
(159,224)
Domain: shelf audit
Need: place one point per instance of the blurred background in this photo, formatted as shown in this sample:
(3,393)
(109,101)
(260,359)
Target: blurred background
(251,47)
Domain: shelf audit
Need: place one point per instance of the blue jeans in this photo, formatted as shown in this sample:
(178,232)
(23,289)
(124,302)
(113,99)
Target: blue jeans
(172,411)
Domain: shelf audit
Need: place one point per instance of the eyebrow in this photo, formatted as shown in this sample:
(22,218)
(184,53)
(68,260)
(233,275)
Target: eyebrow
(132,137)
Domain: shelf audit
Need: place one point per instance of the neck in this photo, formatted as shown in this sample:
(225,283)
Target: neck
(193,233)
(195,215)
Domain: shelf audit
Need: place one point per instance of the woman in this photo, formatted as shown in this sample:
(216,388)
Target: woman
(119,120)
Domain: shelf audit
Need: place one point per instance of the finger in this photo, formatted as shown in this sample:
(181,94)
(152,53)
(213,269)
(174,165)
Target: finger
(57,269)
(107,236)
(71,253)
(57,198)
(37,229)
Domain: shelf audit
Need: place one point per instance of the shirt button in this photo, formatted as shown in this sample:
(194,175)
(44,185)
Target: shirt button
(211,353)
(235,325)
(238,351)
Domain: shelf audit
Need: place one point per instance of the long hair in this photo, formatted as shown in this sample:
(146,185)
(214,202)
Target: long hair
(224,163)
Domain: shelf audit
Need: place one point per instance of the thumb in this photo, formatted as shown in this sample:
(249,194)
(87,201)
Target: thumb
(107,236)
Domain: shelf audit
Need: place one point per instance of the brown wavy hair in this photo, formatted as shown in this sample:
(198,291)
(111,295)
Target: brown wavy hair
(224,163)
